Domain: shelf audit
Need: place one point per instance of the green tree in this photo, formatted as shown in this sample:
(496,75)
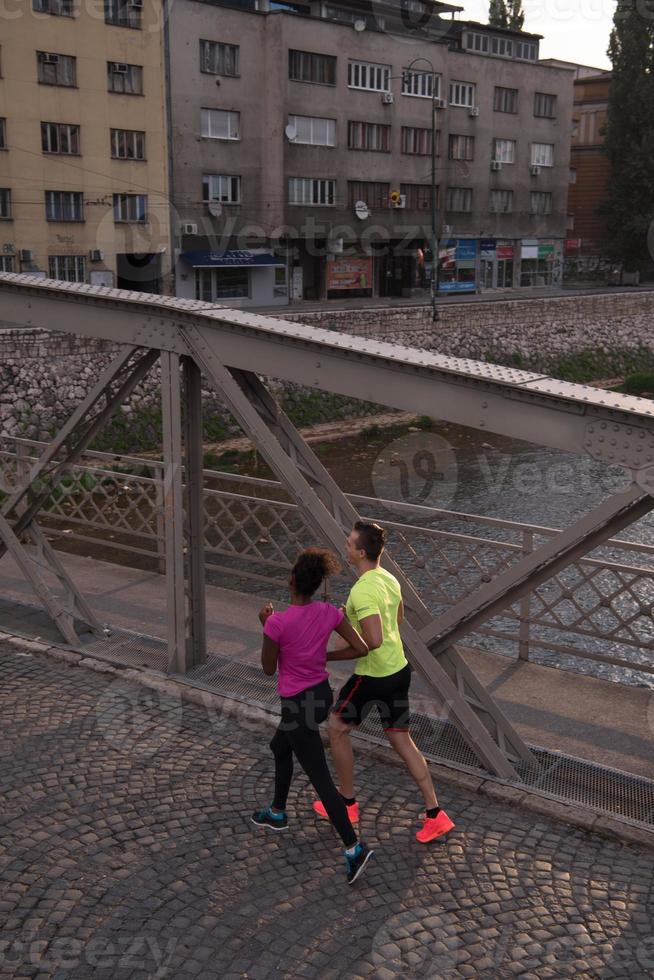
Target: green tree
(629,134)
(516,15)
(506,13)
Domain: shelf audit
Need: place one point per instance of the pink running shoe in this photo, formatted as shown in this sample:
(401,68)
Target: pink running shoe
(434,827)
(352,811)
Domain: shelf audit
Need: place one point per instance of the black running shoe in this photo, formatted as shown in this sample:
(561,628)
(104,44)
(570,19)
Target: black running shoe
(266,818)
(357,863)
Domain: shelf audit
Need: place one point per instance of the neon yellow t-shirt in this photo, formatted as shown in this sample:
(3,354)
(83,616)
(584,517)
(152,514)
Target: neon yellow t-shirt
(377,591)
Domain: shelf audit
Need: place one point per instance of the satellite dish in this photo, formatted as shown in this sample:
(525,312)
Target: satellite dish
(291,132)
(362,210)
(359,25)
(215,209)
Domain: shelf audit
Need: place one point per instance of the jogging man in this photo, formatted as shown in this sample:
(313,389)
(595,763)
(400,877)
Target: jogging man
(381,679)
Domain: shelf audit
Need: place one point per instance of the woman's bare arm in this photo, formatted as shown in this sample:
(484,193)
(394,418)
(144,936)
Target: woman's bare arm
(269,655)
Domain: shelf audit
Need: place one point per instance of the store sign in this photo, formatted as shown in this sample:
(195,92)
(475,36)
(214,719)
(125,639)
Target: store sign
(546,251)
(349,273)
(488,248)
(573,244)
(505,251)
(457,287)
(466,250)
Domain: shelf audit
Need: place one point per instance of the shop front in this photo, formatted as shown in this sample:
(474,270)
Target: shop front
(457,265)
(497,263)
(349,276)
(237,278)
(540,263)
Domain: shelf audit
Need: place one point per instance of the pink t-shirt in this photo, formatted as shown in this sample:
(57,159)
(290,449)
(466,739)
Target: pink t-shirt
(302,633)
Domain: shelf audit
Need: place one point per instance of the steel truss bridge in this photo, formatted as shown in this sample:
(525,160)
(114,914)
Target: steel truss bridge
(233,351)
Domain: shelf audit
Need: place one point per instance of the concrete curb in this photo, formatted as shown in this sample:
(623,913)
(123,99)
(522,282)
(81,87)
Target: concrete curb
(586,818)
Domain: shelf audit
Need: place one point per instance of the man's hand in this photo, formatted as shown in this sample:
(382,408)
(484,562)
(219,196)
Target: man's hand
(265,612)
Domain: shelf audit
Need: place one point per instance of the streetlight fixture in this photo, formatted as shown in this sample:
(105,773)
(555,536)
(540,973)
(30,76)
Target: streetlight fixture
(434,232)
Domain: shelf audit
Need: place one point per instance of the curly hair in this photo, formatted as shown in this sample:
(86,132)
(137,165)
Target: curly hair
(312,566)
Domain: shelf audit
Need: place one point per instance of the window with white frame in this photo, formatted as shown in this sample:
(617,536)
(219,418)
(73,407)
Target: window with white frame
(58,8)
(217,284)
(526,51)
(417,140)
(478,42)
(311,190)
(424,85)
(313,130)
(225,188)
(124,79)
(461,147)
(5,202)
(369,136)
(127,144)
(462,94)
(542,154)
(502,46)
(123,13)
(218,58)
(60,138)
(280,283)
(307,66)
(501,201)
(220,124)
(504,151)
(544,105)
(369,76)
(7,263)
(541,202)
(459,199)
(3,134)
(130,207)
(505,99)
(56,69)
(70,268)
(64,206)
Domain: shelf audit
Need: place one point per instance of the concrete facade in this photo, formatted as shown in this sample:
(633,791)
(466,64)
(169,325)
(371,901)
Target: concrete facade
(65,94)
(387,249)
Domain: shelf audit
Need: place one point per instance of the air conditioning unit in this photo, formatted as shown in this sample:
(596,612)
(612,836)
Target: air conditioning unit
(496,165)
(96,255)
(398,200)
(474,111)
(388,98)
(9,248)
(189,229)
(50,59)
(440,103)
(535,171)
(26,255)
(120,69)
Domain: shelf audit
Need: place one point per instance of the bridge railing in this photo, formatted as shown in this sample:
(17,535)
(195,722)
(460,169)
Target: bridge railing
(596,615)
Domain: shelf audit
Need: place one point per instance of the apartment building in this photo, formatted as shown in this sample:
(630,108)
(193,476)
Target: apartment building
(83,158)
(302,138)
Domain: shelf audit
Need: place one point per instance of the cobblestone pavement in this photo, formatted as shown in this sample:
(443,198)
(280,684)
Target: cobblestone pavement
(126,852)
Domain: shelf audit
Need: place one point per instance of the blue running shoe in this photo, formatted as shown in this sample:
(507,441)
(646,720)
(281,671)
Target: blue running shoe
(267,818)
(357,862)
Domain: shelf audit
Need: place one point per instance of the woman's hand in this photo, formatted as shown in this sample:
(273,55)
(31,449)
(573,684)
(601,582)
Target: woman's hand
(265,612)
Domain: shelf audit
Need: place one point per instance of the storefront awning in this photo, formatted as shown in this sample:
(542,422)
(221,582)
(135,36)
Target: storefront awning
(227,260)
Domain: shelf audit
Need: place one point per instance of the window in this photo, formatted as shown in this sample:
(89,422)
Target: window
(313,130)
(60,138)
(542,154)
(501,201)
(310,190)
(374,22)
(3,134)
(506,99)
(220,124)
(64,206)
(124,79)
(369,136)
(424,85)
(6,263)
(123,13)
(375,194)
(130,207)
(5,202)
(526,50)
(56,69)
(417,196)
(418,141)
(127,144)
(541,202)
(214,284)
(364,74)
(217,58)
(501,46)
(459,199)
(504,151)
(572,179)
(305,66)
(221,187)
(478,42)
(462,94)
(70,268)
(461,147)
(280,286)
(544,105)
(58,8)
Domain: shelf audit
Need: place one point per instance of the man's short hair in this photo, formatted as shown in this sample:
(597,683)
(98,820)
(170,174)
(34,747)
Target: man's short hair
(371,538)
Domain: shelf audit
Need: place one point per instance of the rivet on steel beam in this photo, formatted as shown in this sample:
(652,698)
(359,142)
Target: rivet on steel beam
(603,424)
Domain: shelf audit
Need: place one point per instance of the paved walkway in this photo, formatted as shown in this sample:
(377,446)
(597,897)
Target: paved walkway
(126,853)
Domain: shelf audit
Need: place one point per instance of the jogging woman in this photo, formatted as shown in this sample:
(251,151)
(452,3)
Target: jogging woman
(295,645)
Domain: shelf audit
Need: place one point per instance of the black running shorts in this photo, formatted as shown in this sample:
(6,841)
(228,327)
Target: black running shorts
(390,695)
